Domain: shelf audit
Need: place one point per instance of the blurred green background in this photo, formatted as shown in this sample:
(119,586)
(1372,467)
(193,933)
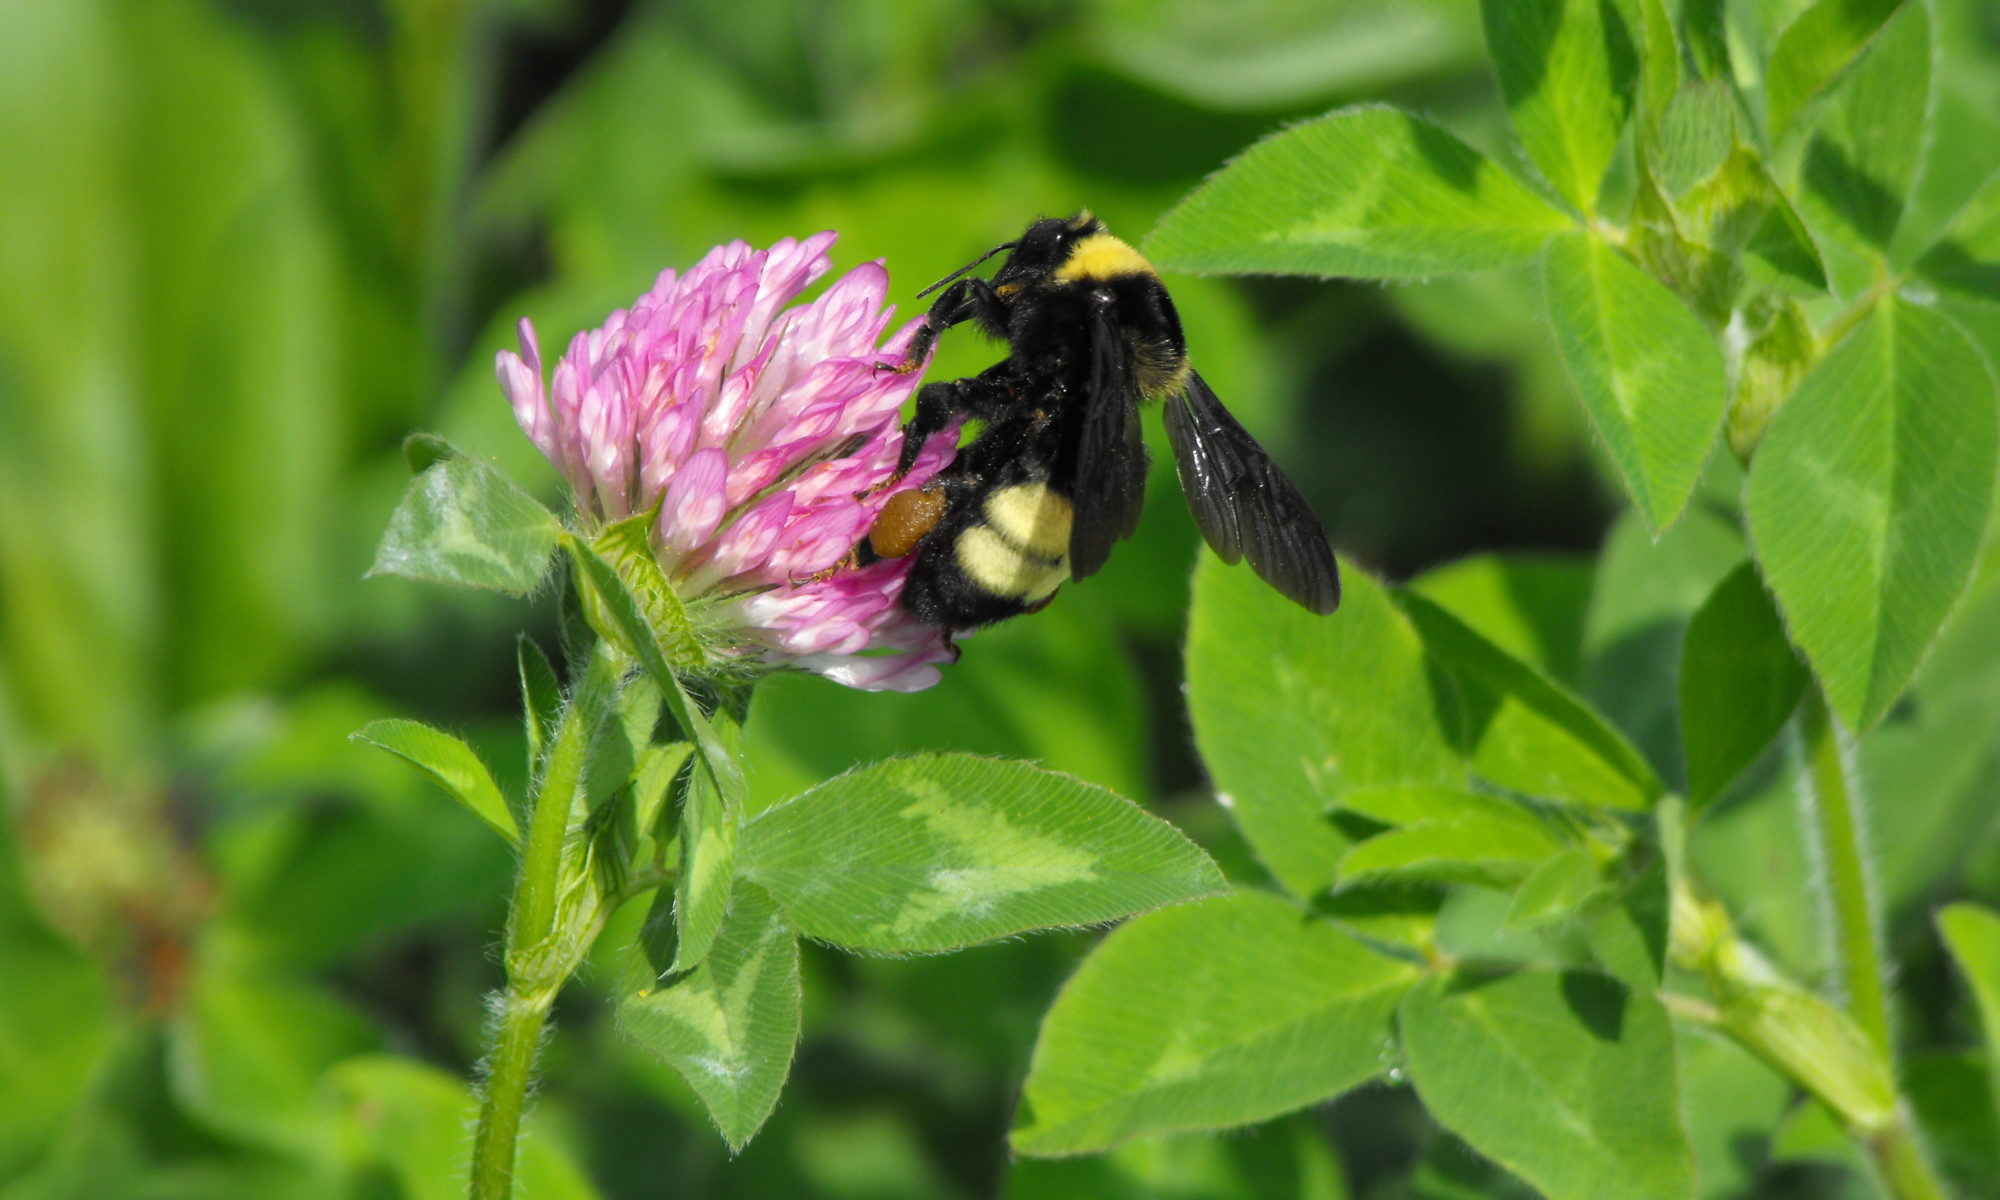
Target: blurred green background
(247,245)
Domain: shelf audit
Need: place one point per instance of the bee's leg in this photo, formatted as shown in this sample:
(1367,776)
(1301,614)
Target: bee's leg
(937,403)
(957,304)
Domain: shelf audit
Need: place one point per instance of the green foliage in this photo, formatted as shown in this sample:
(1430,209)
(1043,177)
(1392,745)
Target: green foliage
(1869,500)
(1710,221)
(1256,665)
(247,1053)
(407,1122)
(1269,1010)
(729,1028)
(1557,1076)
(1857,169)
(1732,1102)
(934,853)
(1740,683)
(1289,1160)
(1369,192)
(465,522)
(1567,69)
(61,1005)
(1972,934)
(1816,48)
(1523,731)
(244,247)
(451,763)
(1648,373)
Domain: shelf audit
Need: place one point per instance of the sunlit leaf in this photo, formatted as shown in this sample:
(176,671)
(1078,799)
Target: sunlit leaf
(1814,50)
(464,522)
(932,853)
(1659,65)
(1292,711)
(1648,372)
(1869,497)
(1567,1079)
(1530,605)
(1202,1017)
(730,1026)
(1865,149)
(451,763)
(1697,131)
(1567,69)
(1492,855)
(1369,192)
(1555,890)
(1524,731)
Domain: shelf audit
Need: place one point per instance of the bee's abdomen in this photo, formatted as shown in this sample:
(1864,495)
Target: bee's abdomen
(1018,546)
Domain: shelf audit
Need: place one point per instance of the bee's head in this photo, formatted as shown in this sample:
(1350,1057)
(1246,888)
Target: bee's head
(1045,246)
(1036,254)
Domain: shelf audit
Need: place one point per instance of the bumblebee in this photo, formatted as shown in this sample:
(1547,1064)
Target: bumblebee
(1057,475)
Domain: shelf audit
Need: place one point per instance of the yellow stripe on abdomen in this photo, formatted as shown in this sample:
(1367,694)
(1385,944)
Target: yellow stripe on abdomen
(1031,517)
(1022,550)
(1000,567)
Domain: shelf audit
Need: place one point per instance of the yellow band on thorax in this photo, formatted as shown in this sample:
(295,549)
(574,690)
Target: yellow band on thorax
(1101,256)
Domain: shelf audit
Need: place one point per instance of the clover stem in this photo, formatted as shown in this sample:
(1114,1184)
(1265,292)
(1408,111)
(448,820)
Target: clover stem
(509,1069)
(546,936)
(1836,808)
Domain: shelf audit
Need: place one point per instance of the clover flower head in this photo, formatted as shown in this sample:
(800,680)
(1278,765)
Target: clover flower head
(764,435)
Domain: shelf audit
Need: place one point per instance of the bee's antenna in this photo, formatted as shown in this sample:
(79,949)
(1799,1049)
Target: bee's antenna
(967,267)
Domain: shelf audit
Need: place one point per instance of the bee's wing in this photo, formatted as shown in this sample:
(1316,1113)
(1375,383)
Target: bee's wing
(1108,448)
(1244,505)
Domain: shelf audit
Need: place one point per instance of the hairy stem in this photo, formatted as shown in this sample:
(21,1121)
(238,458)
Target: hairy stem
(1836,807)
(1836,803)
(509,1069)
(1906,1167)
(546,938)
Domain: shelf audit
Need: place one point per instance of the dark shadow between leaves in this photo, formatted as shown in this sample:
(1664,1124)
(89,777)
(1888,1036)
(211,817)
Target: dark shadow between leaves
(1553,600)
(1472,975)
(1620,51)
(1864,202)
(1355,909)
(1354,826)
(1951,265)
(1379,900)
(1449,159)
(1632,682)
(1598,1001)
(1463,708)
